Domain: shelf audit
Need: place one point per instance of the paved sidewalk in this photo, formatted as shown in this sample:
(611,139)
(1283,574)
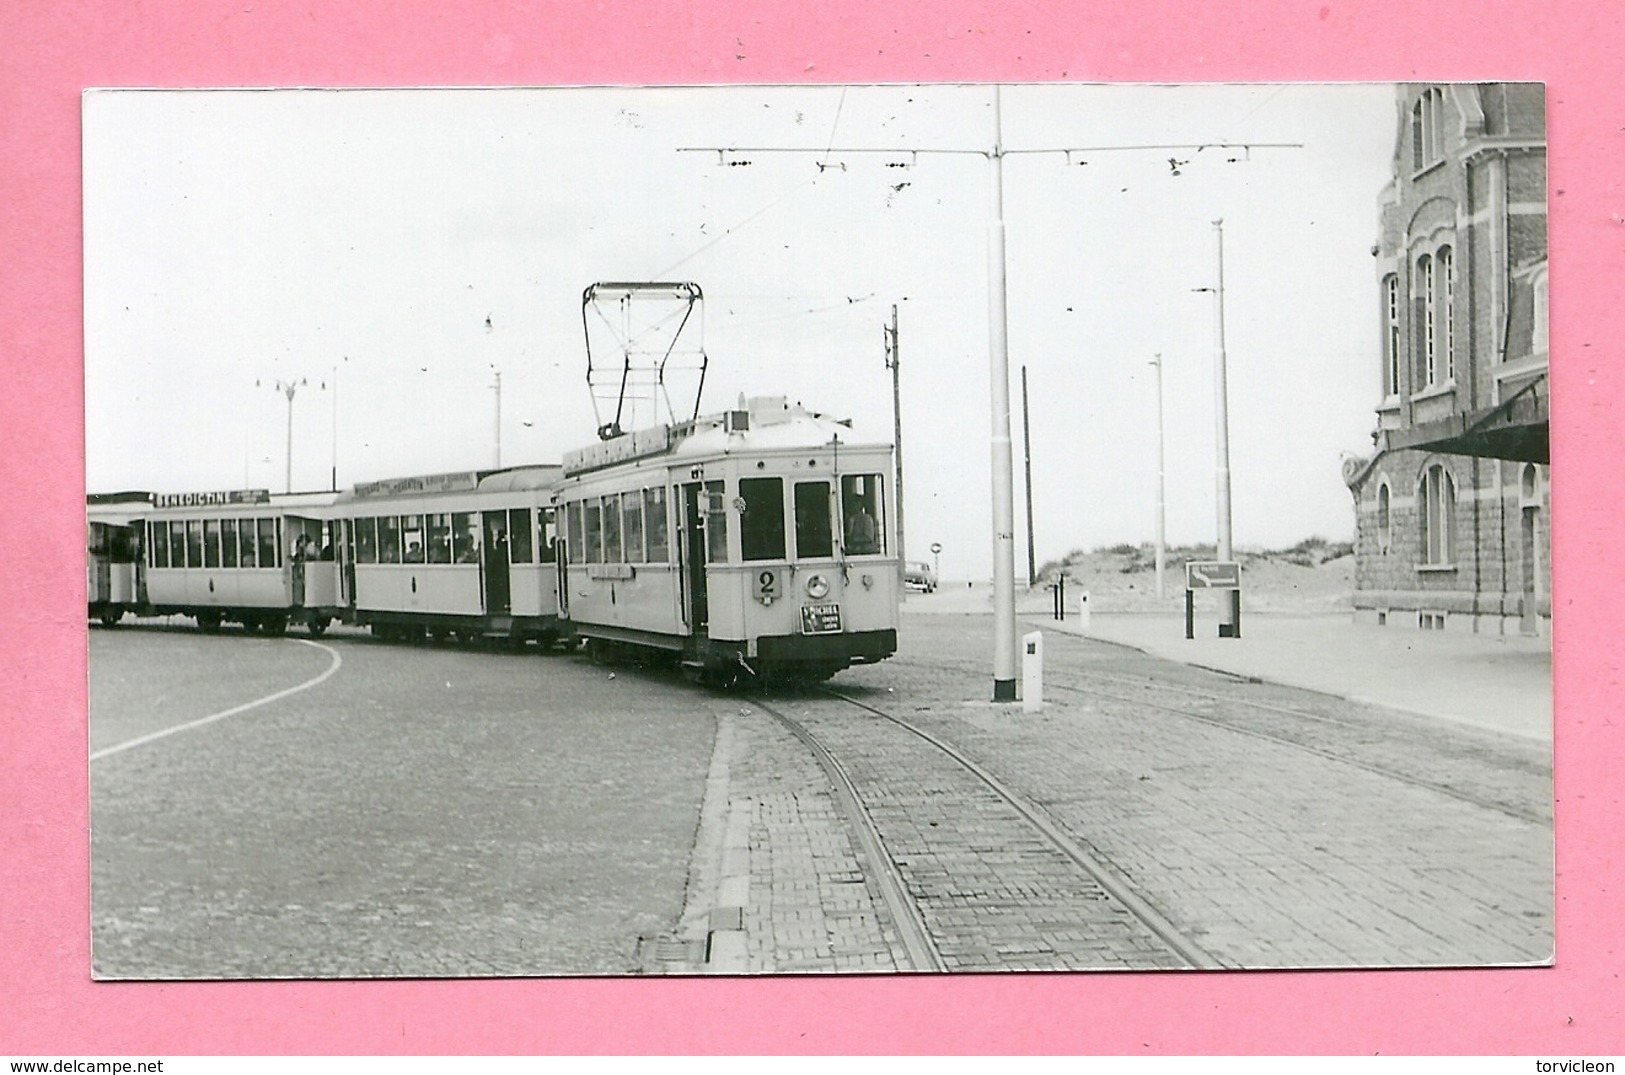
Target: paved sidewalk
(1500,683)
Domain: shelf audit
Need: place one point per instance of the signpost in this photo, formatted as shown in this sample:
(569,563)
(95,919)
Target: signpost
(1213,575)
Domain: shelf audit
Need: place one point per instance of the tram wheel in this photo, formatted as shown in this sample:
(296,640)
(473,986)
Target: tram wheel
(209,621)
(276,625)
(111,616)
(317,625)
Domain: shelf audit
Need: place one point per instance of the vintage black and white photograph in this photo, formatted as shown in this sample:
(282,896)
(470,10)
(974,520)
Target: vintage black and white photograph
(817,530)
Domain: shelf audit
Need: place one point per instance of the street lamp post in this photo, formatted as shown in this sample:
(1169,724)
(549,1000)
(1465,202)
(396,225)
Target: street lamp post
(289,389)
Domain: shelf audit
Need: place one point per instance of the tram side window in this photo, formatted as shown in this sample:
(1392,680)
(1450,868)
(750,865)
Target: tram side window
(716,524)
(814,535)
(194,543)
(269,557)
(519,536)
(860,508)
(595,530)
(465,537)
(439,539)
(211,542)
(247,555)
(177,543)
(389,539)
(575,549)
(612,529)
(632,525)
(228,543)
(547,535)
(761,520)
(412,539)
(160,544)
(366,541)
(654,522)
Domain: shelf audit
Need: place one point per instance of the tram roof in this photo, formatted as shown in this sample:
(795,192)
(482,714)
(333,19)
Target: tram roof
(767,424)
(523,478)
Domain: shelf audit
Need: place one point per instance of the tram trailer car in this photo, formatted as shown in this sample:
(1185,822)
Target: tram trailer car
(114,539)
(466,555)
(252,557)
(756,543)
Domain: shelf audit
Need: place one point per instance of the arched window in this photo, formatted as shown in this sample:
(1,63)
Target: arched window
(1385,522)
(1427,133)
(1436,510)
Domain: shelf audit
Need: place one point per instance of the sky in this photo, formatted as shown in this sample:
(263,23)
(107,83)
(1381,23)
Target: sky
(391,252)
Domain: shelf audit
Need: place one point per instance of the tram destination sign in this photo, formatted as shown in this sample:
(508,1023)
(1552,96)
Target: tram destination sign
(1212,575)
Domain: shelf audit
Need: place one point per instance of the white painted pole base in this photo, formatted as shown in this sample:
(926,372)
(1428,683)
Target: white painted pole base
(1032,672)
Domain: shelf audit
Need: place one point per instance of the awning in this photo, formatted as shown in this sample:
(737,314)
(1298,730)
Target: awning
(1517,428)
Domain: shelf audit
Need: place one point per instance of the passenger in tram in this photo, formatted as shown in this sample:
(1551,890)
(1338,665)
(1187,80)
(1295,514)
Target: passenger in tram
(440,550)
(862,535)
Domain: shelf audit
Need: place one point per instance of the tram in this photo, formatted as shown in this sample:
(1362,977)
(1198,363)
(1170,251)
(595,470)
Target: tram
(466,555)
(752,544)
(249,556)
(114,535)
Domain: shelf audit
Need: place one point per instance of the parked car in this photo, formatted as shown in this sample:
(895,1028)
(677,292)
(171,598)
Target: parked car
(919,576)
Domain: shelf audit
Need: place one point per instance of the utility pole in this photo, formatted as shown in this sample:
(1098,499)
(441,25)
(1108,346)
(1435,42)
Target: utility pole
(894,363)
(1004,598)
(1162,534)
(1027,452)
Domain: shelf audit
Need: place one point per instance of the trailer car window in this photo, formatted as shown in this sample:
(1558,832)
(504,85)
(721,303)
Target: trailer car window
(366,541)
(412,539)
(814,535)
(654,522)
(519,535)
(228,543)
(612,529)
(245,544)
(160,544)
(761,520)
(439,527)
(194,543)
(269,556)
(465,537)
(389,540)
(211,542)
(547,536)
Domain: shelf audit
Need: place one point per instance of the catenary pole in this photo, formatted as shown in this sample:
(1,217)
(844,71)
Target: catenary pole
(1004,512)
(1162,531)
(1027,461)
(1229,599)
(894,362)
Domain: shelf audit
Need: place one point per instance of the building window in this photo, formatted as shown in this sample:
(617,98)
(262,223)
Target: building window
(1385,522)
(1424,280)
(1390,285)
(1436,509)
(1427,141)
(1445,290)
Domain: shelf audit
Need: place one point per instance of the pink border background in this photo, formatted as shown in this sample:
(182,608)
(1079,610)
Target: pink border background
(50,50)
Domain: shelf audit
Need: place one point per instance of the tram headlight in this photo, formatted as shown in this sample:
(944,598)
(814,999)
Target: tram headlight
(817,587)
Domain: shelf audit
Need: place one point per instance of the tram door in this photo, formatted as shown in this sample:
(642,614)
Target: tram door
(694,556)
(497,599)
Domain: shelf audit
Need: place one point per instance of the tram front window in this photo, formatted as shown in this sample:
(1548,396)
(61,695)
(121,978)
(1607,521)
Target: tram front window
(860,508)
(814,535)
(761,519)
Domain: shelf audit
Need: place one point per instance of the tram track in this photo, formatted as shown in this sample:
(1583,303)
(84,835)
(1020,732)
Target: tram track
(925,883)
(1358,744)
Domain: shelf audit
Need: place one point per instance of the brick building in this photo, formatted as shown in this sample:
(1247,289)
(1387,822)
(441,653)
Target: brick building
(1452,508)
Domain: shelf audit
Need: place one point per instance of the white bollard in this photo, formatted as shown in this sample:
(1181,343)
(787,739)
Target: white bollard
(1032,672)
(1083,612)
